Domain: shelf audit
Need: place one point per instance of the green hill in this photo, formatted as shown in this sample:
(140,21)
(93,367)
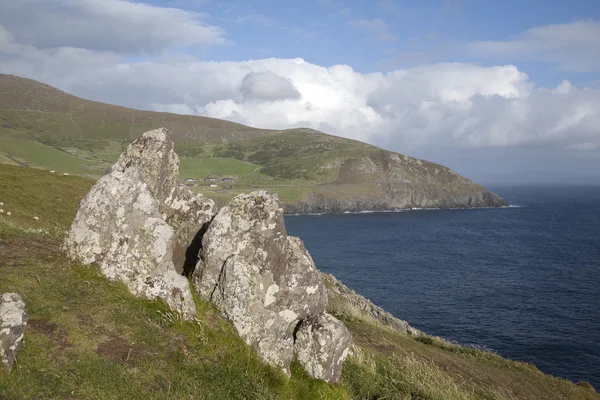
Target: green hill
(88,338)
(43,127)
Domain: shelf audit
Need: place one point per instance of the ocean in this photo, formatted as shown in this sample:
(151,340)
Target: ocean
(522,281)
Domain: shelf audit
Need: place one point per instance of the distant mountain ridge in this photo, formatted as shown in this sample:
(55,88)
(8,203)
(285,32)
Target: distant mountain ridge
(312,171)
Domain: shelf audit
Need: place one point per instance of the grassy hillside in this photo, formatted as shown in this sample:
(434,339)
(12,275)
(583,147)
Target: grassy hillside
(88,338)
(43,127)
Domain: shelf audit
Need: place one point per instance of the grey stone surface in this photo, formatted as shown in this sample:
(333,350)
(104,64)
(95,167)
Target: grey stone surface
(13,321)
(137,220)
(262,280)
(322,344)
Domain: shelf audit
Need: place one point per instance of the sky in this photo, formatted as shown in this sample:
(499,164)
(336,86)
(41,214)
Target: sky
(502,92)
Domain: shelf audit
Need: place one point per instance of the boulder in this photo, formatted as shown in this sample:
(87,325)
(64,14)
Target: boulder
(137,221)
(322,344)
(13,321)
(262,280)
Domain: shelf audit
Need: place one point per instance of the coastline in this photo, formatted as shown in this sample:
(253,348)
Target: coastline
(400,210)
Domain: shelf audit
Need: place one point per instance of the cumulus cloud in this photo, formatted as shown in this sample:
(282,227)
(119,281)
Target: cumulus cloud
(105,25)
(573,46)
(268,86)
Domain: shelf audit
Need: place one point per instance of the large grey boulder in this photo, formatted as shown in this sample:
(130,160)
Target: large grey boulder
(137,221)
(13,321)
(322,345)
(262,280)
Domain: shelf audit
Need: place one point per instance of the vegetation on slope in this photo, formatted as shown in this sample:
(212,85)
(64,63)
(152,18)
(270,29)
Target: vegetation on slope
(89,338)
(43,127)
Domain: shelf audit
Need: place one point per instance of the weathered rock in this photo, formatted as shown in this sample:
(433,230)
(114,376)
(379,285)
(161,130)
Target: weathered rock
(153,155)
(13,321)
(322,344)
(262,280)
(137,220)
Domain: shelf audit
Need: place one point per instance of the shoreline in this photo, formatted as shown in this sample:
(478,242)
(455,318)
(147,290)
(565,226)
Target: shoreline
(400,210)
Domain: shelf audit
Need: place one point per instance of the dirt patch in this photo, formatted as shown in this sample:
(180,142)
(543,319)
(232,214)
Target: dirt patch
(57,336)
(117,350)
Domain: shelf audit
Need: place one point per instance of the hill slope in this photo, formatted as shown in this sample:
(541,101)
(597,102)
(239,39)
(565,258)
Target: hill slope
(89,338)
(312,171)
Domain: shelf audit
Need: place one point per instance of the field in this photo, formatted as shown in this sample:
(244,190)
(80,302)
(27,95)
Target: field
(89,338)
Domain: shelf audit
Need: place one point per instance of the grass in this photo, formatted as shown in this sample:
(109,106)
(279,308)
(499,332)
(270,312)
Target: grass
(88,338)
(202,167)
(36,154)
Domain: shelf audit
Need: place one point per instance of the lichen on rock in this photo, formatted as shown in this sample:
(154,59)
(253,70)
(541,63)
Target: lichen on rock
(262,280)
(137,221)
(13,321)
(322,344)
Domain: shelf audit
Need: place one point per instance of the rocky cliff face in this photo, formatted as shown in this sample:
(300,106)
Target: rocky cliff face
(137,221)
(389,181)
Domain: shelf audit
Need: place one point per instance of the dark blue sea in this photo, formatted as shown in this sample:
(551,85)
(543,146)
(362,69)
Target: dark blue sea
(522,281)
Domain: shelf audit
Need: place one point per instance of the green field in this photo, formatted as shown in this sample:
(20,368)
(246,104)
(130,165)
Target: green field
(38,155)
(201,167)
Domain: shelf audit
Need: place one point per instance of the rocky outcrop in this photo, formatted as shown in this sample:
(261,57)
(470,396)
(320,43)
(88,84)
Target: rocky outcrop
(267,284)
(322,344)
(143,228)
(13,321)
(394,198)
(346,302)
(137,221)
(382,181)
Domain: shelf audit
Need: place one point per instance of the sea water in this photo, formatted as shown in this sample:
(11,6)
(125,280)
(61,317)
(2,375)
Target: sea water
(523,281)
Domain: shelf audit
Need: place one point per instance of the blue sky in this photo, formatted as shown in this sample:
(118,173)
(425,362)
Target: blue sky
(325,32)
(500,91)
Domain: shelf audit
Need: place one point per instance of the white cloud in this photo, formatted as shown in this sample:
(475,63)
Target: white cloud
(267,86)
(573,46)
(105,25)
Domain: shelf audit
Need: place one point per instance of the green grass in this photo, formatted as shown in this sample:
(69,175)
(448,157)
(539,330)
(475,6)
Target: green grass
(89,338)
(39,155)
(202,167)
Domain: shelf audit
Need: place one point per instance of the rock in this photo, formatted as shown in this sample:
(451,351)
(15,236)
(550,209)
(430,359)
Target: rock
(389,181)
(265,282)
(13,321)
(322,344)
(137,220)
(345,301)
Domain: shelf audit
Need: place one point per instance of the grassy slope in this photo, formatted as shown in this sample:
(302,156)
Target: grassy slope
(45,127)
(89,338)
